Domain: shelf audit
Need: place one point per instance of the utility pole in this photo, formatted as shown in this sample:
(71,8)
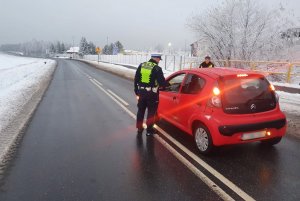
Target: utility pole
(184,47)
(73,47)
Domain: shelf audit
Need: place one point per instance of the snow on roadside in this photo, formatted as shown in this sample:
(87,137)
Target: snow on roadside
(289,103)
(297,86)
(19,80)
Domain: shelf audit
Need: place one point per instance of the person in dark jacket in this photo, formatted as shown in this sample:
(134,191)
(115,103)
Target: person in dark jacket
(207,63)
(148,78)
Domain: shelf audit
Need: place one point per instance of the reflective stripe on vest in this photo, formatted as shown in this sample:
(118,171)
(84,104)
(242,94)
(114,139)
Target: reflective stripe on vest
(146,71)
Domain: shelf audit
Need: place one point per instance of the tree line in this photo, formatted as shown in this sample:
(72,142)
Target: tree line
(58,48)
(43,48)
(113,48)
(244,29)
(35,48)
(86,48)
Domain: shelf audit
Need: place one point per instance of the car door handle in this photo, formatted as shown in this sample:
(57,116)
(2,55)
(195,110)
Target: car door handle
(174,97)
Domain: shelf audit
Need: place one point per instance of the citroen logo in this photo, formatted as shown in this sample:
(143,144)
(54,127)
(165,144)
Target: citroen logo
(253,106)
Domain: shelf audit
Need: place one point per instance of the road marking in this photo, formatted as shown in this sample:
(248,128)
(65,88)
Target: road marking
(118,97)
(210,169)
(97,82)
(220,192)
(190,166)
(114,99)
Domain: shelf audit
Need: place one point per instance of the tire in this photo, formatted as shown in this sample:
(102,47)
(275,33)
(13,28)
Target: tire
(271,142)
(203,139)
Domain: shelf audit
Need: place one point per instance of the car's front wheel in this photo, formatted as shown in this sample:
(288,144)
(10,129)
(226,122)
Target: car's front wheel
(272,141)
(203,139)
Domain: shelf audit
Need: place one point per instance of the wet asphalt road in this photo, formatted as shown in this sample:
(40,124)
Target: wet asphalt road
(80,145)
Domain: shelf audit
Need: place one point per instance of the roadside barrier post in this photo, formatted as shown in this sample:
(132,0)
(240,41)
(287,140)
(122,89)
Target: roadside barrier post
(180,63)
(288,77)
(253,65)
(174,63)
(165,62)
(226,63)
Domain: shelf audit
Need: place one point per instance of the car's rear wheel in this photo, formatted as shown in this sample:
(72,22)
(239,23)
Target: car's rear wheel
(272,141)
(203,139)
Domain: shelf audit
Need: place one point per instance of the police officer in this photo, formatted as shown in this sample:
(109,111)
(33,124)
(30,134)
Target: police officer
(148,77)
(207,63)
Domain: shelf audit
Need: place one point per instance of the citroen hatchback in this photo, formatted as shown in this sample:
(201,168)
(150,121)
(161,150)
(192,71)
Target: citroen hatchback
(222,106)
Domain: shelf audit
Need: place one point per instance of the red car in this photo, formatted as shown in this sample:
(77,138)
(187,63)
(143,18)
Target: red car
(221,106)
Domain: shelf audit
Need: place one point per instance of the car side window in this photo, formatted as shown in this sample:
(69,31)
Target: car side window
(193,84)
(175,83)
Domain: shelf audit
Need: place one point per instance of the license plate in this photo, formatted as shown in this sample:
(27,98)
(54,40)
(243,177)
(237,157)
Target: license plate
(254,135)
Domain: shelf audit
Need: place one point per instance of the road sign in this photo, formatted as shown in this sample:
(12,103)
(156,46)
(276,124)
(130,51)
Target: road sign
(98,50)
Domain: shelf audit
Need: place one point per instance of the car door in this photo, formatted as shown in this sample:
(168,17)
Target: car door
(191,99)
(168,98)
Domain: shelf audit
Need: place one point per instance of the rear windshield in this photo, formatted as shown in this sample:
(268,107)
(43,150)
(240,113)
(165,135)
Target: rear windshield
(247,95)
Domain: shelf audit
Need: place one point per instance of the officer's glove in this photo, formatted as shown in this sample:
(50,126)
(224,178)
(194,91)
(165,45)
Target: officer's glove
(136,92)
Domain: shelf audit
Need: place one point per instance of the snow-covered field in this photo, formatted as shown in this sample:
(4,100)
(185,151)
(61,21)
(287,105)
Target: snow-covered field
(20,78)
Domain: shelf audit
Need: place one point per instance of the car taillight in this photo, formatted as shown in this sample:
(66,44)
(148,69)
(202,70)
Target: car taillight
(215,100)
(272,87)
(216,91)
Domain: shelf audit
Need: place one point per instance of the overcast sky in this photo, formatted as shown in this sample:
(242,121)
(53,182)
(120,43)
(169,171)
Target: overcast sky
(138,24)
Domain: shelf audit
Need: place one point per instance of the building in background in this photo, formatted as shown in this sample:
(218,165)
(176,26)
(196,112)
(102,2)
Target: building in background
(73,51)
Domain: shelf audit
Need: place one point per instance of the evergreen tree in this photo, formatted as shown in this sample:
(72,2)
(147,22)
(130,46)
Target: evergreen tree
(58,48)
(63,48)
(92,48)
(105,50)
(52,49)
(120,46)
(111,49)
(84,46)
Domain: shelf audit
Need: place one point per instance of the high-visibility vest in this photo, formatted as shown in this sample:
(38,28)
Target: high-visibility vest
(146,71)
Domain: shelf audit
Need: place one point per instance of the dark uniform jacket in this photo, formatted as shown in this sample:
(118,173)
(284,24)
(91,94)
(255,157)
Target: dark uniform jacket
(156,79)
(206,65)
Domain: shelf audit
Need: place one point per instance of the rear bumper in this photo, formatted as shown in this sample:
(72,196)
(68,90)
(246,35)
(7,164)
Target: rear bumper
(229,130)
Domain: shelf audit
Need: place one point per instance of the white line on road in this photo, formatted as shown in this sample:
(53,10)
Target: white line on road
(118,97)
(97,82)
(220,192)
(114,99)
(210,169)
(190,166)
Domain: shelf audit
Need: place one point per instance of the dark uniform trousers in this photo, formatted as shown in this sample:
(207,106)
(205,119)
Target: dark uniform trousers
(147,100)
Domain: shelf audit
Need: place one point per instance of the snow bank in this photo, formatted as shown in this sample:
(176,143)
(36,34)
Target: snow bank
(289,103)
(296,86)
(20,80)
(119,68)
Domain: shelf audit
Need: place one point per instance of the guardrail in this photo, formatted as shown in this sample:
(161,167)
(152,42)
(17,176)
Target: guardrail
(288,72)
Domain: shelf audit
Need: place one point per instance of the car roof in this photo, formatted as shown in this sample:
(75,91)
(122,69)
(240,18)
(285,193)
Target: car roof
(221,71)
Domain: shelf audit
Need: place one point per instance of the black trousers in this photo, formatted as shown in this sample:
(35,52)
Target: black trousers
(147,100)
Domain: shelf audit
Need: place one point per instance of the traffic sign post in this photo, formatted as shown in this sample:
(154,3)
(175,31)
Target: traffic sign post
(98,50)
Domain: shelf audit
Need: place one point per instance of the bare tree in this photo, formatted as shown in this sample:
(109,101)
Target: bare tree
(240,29)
